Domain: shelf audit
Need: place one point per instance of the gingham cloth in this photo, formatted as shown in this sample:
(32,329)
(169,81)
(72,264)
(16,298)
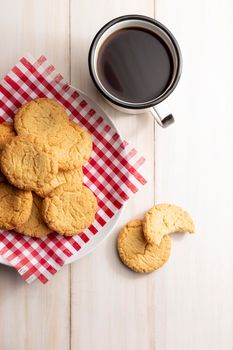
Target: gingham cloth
(111,173)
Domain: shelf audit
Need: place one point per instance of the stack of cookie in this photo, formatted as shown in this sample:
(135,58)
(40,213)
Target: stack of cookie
(144,245)
(41,187)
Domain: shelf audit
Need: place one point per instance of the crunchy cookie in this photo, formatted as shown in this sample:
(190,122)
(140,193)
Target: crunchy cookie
(6,133)
(69,209)
(35,225)
(139,255)
(15,206)
(27,163)
(41,117)
(86,147)
(71,177)
(74,147)
(163,219)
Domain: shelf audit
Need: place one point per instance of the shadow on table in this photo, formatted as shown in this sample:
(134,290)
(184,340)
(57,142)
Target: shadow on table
(177,236)
(9,275)
(118,267)
(115,263)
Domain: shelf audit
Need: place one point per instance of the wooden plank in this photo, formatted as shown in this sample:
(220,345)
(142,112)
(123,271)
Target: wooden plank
(35,28)
(194,168)
(35,316)
(112,307)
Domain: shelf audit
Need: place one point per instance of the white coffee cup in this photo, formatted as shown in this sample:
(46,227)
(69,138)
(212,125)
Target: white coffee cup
(157,106)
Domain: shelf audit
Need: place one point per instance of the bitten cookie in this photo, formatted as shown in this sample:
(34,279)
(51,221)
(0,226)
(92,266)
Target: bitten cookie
(74,148)
(28,163)
(42,116)
(69,177)
(163,219)
(35,225)
(69,209)
(15,206)
(139,255)
(6,133)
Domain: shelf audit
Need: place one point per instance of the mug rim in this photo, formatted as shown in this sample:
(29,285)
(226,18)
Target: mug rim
(109,96)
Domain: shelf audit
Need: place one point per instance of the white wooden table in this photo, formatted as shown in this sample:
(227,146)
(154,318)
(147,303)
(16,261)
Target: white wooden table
(97,303)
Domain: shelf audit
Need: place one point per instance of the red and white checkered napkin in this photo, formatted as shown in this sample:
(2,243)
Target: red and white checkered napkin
(112,172)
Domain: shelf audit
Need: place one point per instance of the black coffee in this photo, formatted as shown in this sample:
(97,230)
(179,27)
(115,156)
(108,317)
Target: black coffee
(134,65)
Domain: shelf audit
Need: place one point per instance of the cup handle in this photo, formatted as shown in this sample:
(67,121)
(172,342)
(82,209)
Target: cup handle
(162,116)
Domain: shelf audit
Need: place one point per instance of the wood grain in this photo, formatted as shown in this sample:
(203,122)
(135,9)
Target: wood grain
(36,316)
(97,303)
(112,308)
(194,167)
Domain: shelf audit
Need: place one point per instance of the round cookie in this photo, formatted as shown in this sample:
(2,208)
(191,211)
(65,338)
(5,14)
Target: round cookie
(6,133)
(139,255)
(27,163)
(73,149)
(69,209)
(163,219)
(86,148)
(71,177)
(35,225)
(39,117)
(15,206)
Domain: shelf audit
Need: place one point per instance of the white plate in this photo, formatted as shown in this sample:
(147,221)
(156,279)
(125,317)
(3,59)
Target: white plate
(108,228)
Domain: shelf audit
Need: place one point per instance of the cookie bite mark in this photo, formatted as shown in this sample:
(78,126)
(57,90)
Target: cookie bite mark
(139,255)
(163,219)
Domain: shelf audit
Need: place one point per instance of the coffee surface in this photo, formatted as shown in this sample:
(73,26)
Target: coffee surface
(134,65)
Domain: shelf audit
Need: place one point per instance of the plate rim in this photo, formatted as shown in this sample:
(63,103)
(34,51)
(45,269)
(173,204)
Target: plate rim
(87,249)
